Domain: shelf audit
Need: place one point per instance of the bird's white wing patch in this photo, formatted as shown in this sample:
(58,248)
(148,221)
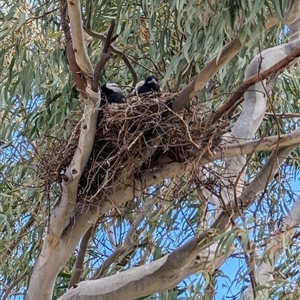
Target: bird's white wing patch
(114,87)
(137,86)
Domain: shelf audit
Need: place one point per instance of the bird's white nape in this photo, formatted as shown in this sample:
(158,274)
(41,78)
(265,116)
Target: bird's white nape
(152,80)
(114,87)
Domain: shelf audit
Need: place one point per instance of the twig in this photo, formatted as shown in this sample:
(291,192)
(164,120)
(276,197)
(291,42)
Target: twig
(212,67)
(89,13)
(105,56)
(283,115)
(269,86)
(29,20)
(128,244)
(284,63)
(105,265)
(248,258)
(109,36)
(80,258)
(110,234)
(115,50)
(10,288)
(15,243)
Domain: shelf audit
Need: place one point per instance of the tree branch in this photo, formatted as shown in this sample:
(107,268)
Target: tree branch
(279,66)
(232,149)
(212,68)
(6,253)
(75,70)
(105,56)
(128,240)
(292,13)
(283,115)
(115,50)
(131,189)
(79,48)
(48,264)
(169,270)
(274,249)
(80,257)
(10,288)
(126,193)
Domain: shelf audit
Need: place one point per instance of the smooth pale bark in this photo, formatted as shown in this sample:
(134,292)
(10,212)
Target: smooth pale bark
(89,216)
(276,245)
(250,119)
(213,67)
(82,59)
(171,269)
(254,105)
(50,259)
(254,108)
(60,243)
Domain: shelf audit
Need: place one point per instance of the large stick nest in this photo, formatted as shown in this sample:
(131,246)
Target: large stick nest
(125,132)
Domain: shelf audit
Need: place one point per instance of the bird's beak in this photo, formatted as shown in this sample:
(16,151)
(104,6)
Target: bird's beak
(155,82)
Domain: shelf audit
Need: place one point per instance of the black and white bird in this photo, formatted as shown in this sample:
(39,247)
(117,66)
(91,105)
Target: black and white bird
(111,93)
(150,84)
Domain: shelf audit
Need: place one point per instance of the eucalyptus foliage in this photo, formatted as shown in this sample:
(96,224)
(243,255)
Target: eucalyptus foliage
(173,40)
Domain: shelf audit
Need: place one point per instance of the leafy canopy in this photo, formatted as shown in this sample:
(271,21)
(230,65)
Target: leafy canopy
(171,39)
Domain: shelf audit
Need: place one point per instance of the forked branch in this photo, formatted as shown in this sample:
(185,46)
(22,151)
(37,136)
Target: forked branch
(105,56)
(280,66)
(212,68)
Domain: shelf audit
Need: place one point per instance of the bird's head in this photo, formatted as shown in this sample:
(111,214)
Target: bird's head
(112,87)
(152,81)
(111,93)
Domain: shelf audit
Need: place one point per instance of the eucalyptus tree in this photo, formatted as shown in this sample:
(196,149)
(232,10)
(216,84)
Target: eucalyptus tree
(149,198)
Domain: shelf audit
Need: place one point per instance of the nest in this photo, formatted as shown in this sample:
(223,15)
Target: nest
(125,132)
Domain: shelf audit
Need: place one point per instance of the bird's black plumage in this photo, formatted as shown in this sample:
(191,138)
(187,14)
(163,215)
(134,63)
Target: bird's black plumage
(150,84)
(111,93)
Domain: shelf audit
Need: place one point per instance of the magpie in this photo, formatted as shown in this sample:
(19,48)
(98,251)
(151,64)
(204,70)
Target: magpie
(150,84)
(111,93)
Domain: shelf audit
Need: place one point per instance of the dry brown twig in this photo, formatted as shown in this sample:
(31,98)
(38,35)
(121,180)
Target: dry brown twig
(123,132)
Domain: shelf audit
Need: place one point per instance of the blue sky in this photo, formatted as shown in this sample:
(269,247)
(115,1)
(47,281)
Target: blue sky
(227,287)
